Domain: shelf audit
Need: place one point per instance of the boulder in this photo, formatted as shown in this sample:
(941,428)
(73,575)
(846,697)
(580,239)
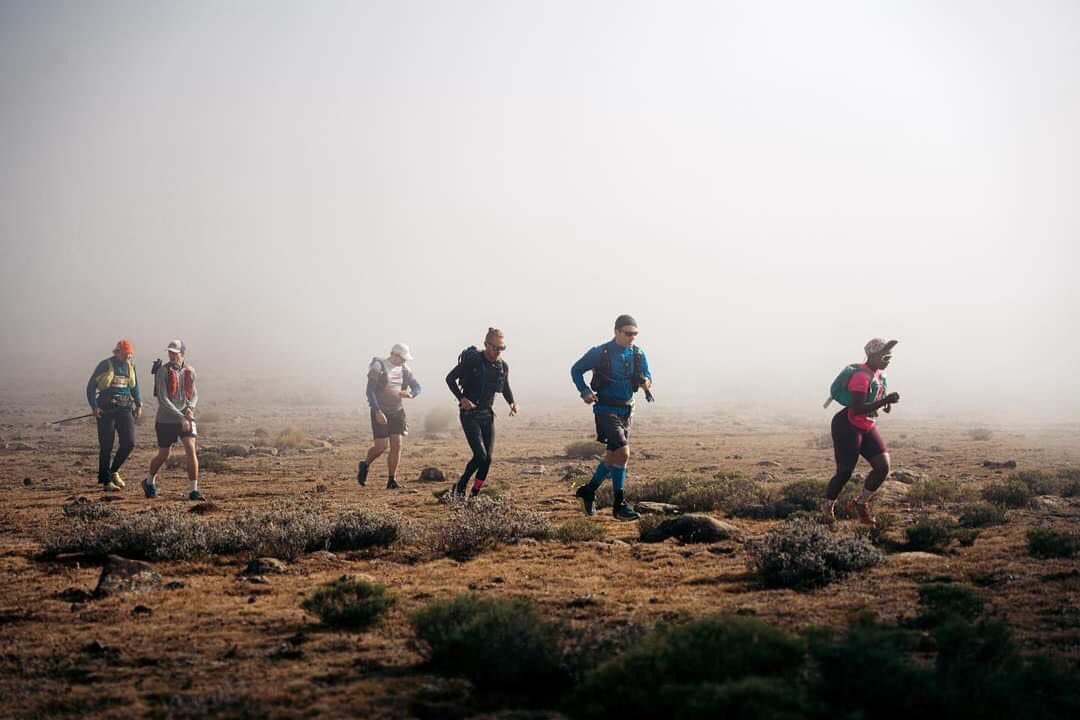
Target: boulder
(120,575)
(432,474)
(265,566)
(235,450)
(647,507)
(1046,503)
(693,528)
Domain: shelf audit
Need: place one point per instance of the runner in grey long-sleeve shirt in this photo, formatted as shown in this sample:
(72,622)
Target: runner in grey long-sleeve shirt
(174,386)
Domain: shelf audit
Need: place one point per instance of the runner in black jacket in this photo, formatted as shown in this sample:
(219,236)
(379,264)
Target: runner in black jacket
(475,381)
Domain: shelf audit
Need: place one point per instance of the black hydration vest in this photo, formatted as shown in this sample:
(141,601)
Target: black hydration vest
(473,374)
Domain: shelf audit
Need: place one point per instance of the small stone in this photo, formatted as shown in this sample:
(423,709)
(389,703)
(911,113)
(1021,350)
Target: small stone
(257,580)
(1007,465)
(27,482)
(581,601)
(141,611)
(432,474)
(264,450)
(265,566)
(648,507)
(905,476)
(235,451)
(1046,503)
(74,595)
(175,585)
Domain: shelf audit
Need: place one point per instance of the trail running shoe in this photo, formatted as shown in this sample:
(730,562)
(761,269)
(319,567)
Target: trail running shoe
(391,484)
(149,489)
(195,495)
(117,480)
(361,472)
(110,487)
(588,499)
(862,511)
(475,493)
(622,511)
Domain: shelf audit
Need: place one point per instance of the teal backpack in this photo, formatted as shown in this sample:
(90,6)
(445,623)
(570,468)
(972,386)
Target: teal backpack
(838,390)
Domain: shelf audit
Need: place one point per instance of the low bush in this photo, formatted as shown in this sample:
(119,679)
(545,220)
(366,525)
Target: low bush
(1042,482)
(1071,485)
(583,449)
(805,554)
(657,490)
(980,434)
(210,461)
(498,644)
(728,493)
(87,510)
(940,602)
(692,670)
(350,603)
(933,491)
(932,534)
(1013,493)
(1048,543)
(479,525)
(291,438)
(579,530)
(360,529)
(982,514)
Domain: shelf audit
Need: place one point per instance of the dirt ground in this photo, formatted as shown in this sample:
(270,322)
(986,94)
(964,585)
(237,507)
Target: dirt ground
(219,645)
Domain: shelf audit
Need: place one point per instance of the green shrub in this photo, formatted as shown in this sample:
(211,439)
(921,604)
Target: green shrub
(579,530)
(657,490)
(728,493)
(1043,483)
(498,644)
(669,672)
(583,449)
(1048,543)
(481,524)
(1013,493)
(933,491)
(1071,478)
(349,602)
(211,461)
(83,509)
(982,514)
(931,534)
(359,529)
(980,434)
(805,554)
(945,601)
(291,438)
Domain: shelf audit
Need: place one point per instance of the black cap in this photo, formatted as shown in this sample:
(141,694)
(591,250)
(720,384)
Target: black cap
(624,320)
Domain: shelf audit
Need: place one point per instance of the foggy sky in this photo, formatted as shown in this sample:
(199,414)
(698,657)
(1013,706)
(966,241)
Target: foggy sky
(292,187)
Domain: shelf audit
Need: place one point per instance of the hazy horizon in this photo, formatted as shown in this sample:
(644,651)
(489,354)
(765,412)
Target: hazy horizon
(291,188)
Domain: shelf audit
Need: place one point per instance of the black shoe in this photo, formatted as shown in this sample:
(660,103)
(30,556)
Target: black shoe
(459,488)
(588,499)
(622,511)
(475,493)
(391,484)
(361,472)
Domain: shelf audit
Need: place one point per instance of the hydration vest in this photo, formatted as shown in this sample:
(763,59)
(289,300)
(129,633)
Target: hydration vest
(602,375)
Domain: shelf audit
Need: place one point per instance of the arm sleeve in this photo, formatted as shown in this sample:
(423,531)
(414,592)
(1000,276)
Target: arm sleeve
(411,381)
(136,391)
(194,392)
(859,382)
(577,372)
(91,386)
(372,390)
(164,403)
(452,381)
(507,392)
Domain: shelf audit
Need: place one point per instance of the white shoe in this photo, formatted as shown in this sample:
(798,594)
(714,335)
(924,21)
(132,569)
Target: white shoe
(117,480)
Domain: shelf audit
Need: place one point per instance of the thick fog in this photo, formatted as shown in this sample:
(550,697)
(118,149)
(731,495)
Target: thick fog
(292,187)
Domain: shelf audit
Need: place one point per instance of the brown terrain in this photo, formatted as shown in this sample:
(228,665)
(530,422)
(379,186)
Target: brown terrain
(211,642)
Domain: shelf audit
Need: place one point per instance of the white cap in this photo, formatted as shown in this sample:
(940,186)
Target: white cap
(877,345)
(402,351)
(177,346)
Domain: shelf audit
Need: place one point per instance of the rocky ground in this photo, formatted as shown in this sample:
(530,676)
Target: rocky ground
(215,637)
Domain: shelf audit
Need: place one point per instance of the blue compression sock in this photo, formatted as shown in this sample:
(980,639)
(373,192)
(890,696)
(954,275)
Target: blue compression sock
(618,477)
(602,471)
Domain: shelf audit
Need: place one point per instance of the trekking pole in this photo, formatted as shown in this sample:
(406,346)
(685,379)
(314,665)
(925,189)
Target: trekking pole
(648,395)
(70,419)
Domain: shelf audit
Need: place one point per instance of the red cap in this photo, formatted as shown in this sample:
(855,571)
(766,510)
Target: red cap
(125,346)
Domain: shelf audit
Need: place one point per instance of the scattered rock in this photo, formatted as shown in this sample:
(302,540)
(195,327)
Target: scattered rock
(74,595)
(905,476)
(265,566)
(204,508)
(769,463)
(96,648)
(235,451)
(120,575)
(27,482)
(432,474)
(264,450)
(141,611)
(320,488)
(1046,502)
(1007,465)
(175,585)
(19,445)
(323,555)
(581,601)
(538,470)
(693,528)
(648,507)
(286,651)
(257,580)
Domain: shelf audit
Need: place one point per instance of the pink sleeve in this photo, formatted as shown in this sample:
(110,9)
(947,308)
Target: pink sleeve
(859,382)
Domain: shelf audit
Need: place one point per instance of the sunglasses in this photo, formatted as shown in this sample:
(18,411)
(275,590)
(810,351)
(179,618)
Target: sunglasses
(628,333)
(496,348)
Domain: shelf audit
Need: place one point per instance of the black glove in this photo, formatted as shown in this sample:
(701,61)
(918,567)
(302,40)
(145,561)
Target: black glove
(892,398)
